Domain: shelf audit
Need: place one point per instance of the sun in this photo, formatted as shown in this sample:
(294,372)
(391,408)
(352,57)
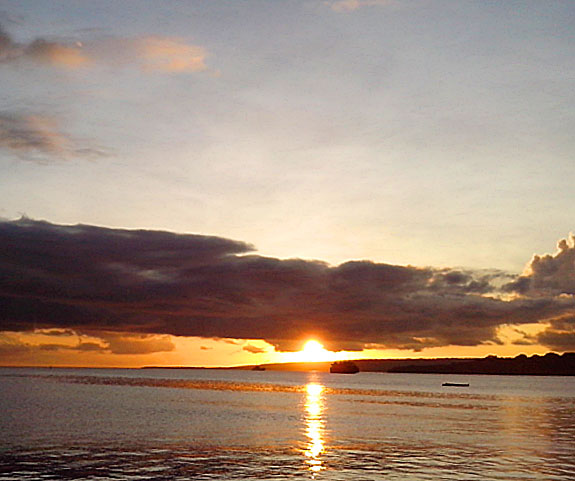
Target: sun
(313,351)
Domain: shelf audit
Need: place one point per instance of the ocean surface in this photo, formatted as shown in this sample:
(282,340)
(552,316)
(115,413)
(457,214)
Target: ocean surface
(120,424)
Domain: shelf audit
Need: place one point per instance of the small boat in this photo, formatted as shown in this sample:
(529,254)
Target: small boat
(344,367)
(456,384)
(258,368)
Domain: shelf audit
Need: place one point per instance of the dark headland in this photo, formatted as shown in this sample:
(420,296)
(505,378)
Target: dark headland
(550,364)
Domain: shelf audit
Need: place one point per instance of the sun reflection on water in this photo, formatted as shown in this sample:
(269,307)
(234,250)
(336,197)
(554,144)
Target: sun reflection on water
(314,426)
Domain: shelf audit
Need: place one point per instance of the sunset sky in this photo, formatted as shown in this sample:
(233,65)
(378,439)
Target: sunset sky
(217,182)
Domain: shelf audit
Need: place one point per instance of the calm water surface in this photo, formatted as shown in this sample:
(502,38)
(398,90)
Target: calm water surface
(101,424)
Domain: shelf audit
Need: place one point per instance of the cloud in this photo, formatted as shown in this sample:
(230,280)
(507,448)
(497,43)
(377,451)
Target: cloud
(38,138)
(559,335)
(89,347)
(55,54)
(5,44)
(42,51)
(103,342)
(558,340)
(13,345)
(56,332)
(351,5)
(253,349)
(549,275)
(153,283)
(167,54)
(148,53)
(137,344)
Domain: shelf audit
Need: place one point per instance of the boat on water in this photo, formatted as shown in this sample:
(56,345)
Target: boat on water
(344,367)
(258,368)
(456,384)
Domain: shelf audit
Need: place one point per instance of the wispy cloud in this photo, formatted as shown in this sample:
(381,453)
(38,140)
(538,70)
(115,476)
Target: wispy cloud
(351,5)
(57,55)
(154,283)
(148,53)
(39,138)
(42,51)
(167,54)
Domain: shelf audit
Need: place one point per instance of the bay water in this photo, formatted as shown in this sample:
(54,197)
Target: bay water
(130,424)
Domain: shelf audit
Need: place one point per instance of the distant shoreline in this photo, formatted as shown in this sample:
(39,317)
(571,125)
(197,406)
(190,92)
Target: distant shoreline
(550,364)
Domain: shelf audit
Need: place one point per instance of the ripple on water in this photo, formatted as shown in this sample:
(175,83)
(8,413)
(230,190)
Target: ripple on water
(343,462)
(177,463)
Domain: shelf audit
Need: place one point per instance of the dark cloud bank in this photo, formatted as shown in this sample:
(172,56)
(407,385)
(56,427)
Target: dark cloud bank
(136,282)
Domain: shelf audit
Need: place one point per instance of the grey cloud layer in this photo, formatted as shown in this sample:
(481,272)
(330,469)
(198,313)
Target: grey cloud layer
(93,279)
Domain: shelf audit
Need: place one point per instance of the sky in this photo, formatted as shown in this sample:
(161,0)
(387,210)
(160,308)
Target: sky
(217,182)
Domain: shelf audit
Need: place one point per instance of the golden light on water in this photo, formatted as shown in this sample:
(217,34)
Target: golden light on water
(314,426)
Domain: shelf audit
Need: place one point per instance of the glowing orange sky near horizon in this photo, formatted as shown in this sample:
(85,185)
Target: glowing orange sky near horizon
(312,351)
(40,349)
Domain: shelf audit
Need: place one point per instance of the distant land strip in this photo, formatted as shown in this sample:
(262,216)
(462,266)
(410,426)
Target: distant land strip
(550,364)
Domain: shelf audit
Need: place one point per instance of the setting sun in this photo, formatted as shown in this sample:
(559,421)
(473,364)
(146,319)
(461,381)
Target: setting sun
(313,351)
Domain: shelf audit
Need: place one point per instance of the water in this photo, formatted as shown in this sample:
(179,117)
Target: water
(101,424)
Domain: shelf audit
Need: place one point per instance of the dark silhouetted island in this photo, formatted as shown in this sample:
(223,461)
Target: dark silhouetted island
(344,367)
